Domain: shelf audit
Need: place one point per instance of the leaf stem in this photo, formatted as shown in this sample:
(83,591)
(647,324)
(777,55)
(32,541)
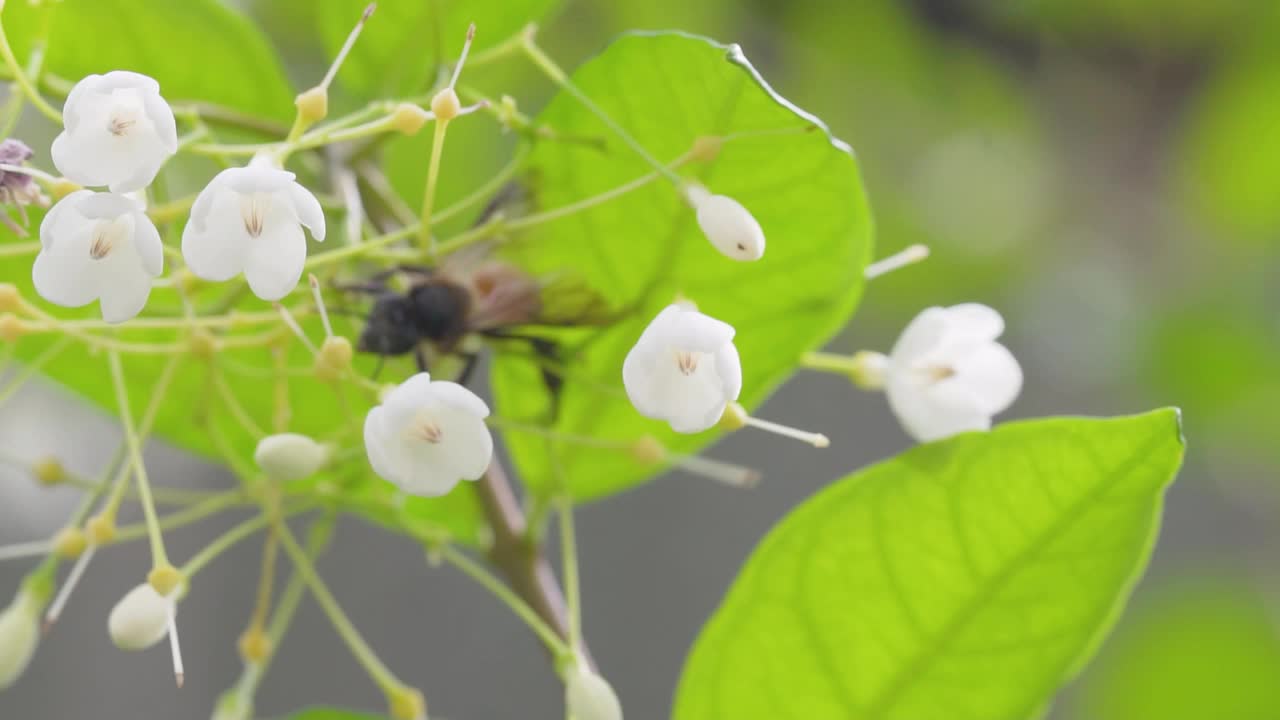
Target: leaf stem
(20,77)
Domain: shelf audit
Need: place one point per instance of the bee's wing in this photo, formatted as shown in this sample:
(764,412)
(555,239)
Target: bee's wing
(568,300)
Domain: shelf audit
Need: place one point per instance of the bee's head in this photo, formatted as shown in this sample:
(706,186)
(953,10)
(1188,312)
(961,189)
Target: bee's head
(390,328)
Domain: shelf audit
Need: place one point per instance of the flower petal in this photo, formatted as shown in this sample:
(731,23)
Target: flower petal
(991,375)
(927,419)
(161,116)
(974,321)
(375,446)
(273,265)
(219,250)
(124,295)
(64,278)
(453,395)
(923,333)
(148,245)
(308,210)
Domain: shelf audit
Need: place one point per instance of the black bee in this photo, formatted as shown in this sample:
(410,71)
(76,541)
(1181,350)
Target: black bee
(436,309)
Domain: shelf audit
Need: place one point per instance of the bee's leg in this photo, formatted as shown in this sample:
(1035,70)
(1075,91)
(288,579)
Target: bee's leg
(377,369)
(471,360)
(420,357)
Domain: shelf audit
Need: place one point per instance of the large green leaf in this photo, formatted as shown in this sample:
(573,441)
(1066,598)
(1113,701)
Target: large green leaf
(197,49)
(964,579)
(1195,649)
(400,47)
(645,248)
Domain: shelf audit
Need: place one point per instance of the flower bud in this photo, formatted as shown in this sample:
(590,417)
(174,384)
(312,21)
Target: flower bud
(727,224)
(406,703)
(140,619)
(10,298)
(313,105)
(408,118)
(70,543)
(334,358)
(290,456)
(49,471)
(12,327)
(101,529)
(19,634)
(589,697)
(254,646)
(446,105)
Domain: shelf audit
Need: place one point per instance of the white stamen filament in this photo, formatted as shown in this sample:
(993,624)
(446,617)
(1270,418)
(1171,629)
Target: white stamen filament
(324,314)
(296,328)
(346,46)
(253,211)
(64,592)
(429,431)
(687,361)
(179,675)
(718,470)
(466,48)
(105,235)
(120,125)
(27,549)
(817,440)
(909,256)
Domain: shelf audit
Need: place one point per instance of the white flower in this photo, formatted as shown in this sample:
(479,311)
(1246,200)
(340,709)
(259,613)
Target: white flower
(140,619)
(684,369)
(19,634)
(119,131)
(98,246)
(730,227)
(947,374)
(589,697)
(290,456)
(426,436)
(250,220)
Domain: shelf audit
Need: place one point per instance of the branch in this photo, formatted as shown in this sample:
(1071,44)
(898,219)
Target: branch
(522,561)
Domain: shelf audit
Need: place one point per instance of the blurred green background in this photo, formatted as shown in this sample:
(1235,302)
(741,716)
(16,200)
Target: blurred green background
(1104,172)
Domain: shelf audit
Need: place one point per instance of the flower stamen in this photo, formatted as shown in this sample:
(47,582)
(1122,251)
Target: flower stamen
(253,210)
(687,361)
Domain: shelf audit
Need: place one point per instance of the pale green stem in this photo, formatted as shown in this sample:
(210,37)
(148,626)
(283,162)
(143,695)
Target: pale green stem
(378,672)
(29,370)
(828,362)
(425,241)
(158,556)
(181,518)
(477,572)
(24,82)
(144,429)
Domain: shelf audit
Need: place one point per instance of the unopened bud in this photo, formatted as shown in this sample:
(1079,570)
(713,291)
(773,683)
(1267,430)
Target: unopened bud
(648,450)
(49,471)
(730,227)
(19,634)
(408,118)
(705,148)
(313,105)
(70,542)
(101,529)
(12,327)
(165,579)
(290,456)
(255,646)
(589,696)
(446,105)
(140,619)
(334,358)
(406,703)
(10,298)
(508,112)
(202,344)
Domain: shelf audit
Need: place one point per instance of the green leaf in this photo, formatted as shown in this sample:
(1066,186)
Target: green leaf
(406,41)
(963,579)
(1194,649)
(644,248)
(196,49)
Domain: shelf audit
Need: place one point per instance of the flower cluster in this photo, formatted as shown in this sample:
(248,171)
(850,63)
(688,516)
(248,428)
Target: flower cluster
(101,245)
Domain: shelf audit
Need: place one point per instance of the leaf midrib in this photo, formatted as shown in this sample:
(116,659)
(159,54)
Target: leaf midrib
(898,685)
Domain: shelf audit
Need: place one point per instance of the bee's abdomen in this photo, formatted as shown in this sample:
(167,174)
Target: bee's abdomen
(441,310)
